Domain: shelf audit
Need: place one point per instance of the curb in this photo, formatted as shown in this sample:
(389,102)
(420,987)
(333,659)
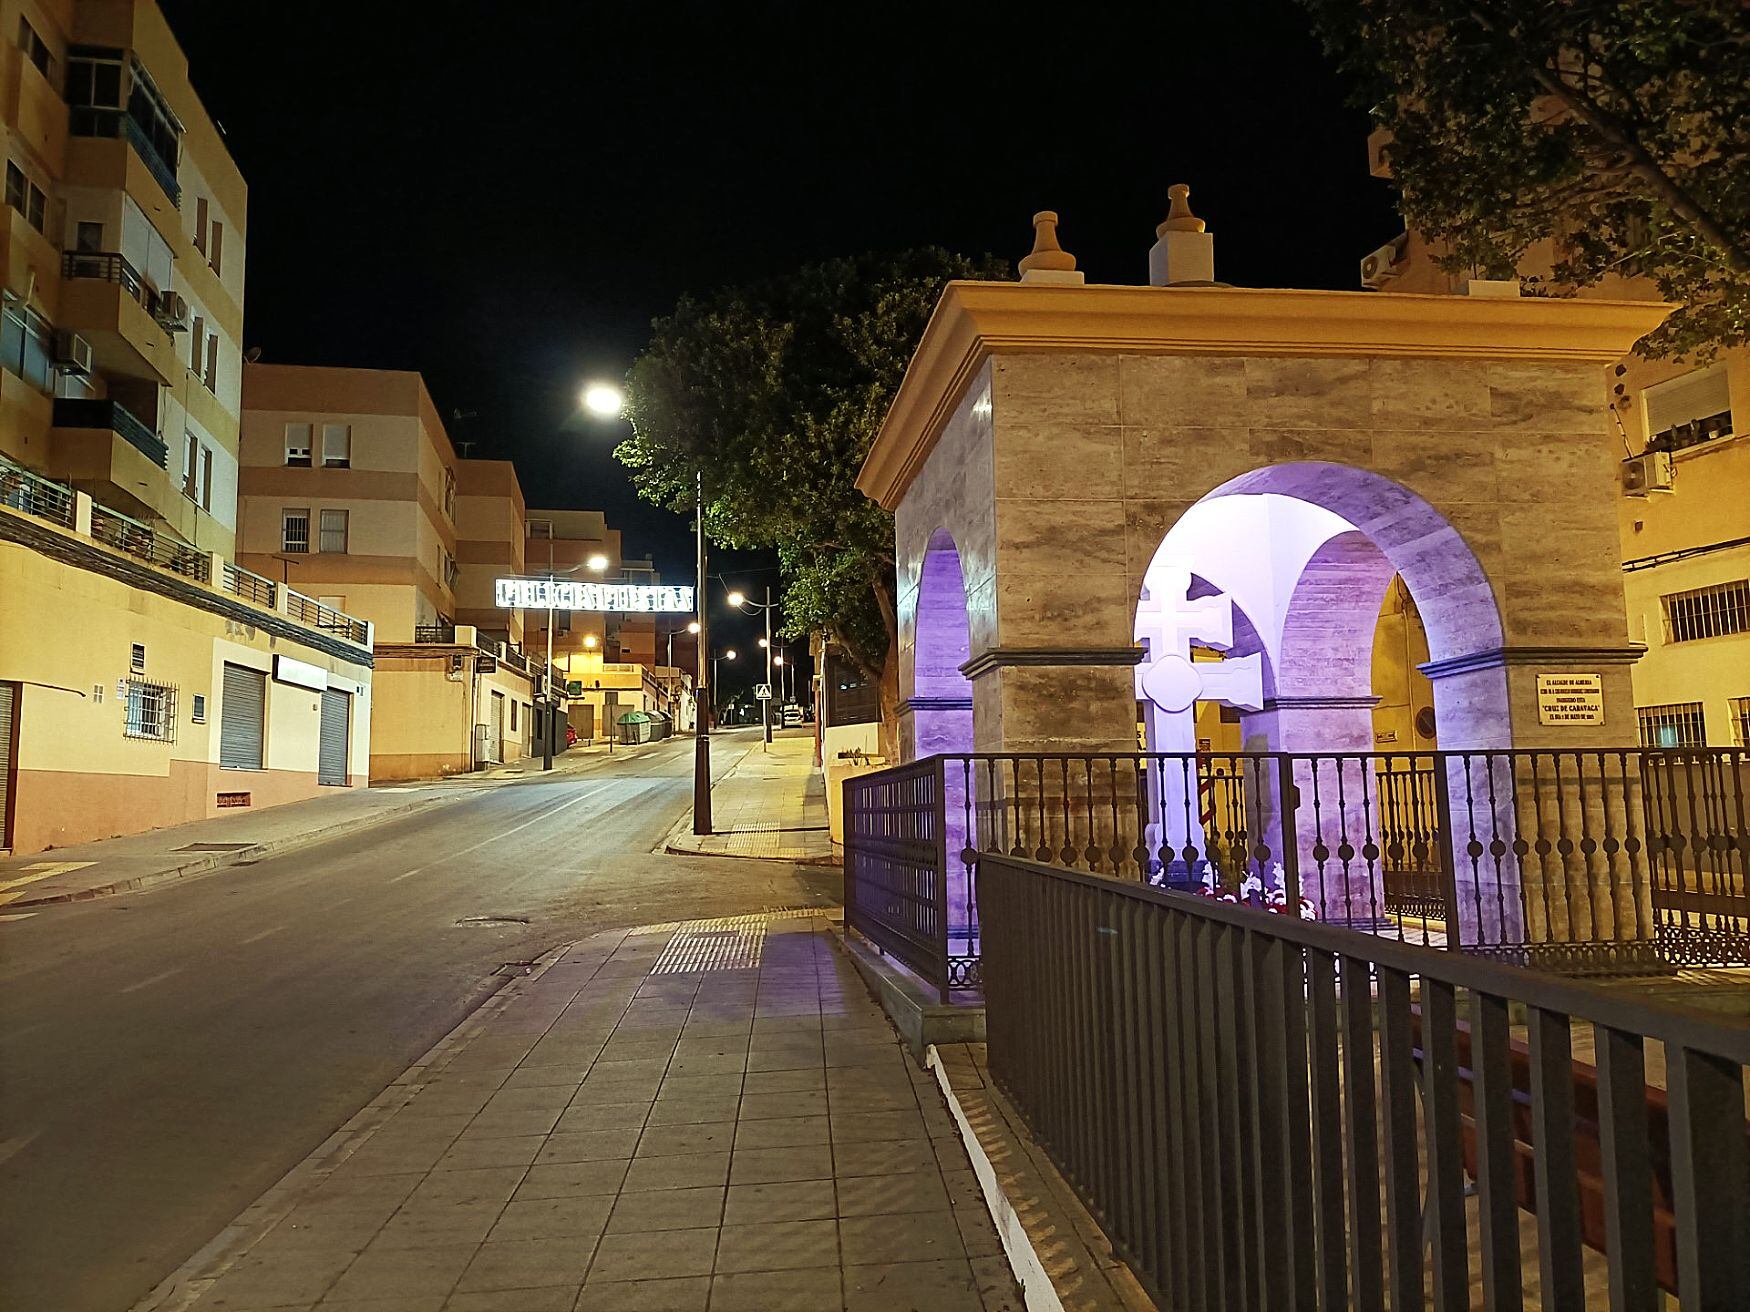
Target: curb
(673,845)
(210,861)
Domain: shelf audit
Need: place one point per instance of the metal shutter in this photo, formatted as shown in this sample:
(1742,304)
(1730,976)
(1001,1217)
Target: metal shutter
(7,694)
(331,763)
(242,714)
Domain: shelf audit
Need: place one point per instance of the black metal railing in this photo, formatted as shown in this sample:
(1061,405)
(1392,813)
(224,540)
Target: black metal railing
(1265,1112)
(135,538)
(1620,859)
(73,412)
(896,865)
(307,610)
(250,586)
(434,633)
(31,493)
(109,266)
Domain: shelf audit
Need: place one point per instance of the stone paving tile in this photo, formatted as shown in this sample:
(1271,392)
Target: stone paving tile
(617,1141)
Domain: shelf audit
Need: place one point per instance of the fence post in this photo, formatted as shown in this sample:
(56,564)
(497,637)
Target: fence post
(848,869)
(939,779)
(1288,807)
(1448,854)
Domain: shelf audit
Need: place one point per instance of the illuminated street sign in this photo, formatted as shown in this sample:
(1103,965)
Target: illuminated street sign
(570,594)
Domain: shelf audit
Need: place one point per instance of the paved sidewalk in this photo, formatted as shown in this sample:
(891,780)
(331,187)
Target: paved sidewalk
(134,861)
(706,1115)
(770,804)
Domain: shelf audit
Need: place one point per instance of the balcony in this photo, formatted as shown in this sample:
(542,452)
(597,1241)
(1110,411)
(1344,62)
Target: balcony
(105,300)
(90,121)
(116,418)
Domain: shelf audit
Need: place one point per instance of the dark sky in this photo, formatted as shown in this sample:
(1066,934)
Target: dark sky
(503,195)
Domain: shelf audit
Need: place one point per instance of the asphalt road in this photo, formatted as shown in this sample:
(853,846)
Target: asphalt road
(166,1056)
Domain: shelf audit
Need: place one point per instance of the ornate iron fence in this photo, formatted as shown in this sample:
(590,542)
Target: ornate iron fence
(1265,1112)
(1620,859)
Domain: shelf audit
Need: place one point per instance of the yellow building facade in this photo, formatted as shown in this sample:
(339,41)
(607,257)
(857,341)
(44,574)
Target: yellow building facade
(122,245)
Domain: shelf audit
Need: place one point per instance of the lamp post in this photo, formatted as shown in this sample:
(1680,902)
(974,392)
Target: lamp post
(741,602)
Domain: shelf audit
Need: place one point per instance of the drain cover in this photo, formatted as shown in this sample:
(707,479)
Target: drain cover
(493,920)
(215,847)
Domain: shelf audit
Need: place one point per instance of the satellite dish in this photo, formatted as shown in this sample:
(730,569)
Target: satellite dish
(252,355)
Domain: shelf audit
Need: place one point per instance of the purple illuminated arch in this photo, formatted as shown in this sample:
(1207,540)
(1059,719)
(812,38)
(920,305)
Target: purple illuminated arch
(941,698)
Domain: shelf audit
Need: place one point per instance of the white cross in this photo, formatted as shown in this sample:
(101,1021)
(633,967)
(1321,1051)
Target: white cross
(1167,622)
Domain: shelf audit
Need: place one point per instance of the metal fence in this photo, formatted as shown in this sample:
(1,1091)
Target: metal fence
(1264,1112)
(135,538)
(307,610)
(896,865)
(250,586)
(33,494)
(1621,859)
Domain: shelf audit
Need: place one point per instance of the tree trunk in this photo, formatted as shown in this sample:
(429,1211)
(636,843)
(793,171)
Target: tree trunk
(891,746)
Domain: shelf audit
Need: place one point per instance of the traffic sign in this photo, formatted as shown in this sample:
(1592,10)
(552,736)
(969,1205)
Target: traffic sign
(762,692)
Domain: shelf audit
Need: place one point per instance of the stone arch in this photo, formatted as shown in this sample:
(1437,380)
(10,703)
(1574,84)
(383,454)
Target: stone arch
(939,707)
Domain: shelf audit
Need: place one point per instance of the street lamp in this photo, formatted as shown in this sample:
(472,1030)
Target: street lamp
(739,600)
(604,399)
(597,562)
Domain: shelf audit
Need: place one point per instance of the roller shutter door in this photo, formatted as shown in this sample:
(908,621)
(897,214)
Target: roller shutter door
(8,709)
(242,716)
(336,720)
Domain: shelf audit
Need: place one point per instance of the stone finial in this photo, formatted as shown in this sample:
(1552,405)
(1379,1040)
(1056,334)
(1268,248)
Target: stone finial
(1184,251)
(1048,261)
(1179,217)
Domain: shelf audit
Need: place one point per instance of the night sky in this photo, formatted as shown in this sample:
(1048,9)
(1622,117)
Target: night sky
(502,196)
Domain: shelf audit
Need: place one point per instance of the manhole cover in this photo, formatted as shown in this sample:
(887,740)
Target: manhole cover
(493,920)
(215,847)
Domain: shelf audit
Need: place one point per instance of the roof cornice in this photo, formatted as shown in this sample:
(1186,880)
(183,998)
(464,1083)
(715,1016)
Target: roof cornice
(976,320)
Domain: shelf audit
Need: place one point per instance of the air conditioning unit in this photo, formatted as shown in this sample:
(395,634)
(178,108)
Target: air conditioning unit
(1381,266)
(172,311)
(73,354)
(1650,472)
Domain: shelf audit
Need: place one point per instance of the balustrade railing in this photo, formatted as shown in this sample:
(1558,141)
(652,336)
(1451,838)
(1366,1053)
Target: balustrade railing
(250,586)
(307,610)
(32,494)
(1266,1112)
(1619,859)
(137,539)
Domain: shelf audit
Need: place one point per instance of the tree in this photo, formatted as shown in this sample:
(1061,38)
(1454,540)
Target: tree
(774,392)
(1619,127)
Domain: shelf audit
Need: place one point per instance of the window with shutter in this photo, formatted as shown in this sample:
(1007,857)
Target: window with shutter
(336,446)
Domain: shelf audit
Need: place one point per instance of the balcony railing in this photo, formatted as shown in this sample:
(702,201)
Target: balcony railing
(137,539)
(94,121)
(71,412)
(440,633)
(307,610)
(108,266)
(33,494)
(250,586)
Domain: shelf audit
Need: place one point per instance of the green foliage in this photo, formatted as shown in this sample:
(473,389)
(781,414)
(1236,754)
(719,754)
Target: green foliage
(1620,127)
(774,393)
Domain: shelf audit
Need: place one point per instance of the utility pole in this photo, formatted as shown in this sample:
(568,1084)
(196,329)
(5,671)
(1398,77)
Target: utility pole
(702,711)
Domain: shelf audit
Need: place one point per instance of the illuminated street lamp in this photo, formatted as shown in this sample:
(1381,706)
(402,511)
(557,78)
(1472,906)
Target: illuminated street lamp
(739,600)
(604,399)
(589,640)
(597,562)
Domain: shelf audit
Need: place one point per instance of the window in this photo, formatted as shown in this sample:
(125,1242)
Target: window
(336,446)
(1740,708)
(1707,612)
(199,714)
(217,255)
(298,445)
(191,465)
(27,348)
(334,602)
(137,657)
(1676,724)
(513,706)
(1688,411)
(449,492)
(151,711)
(200,225)
(447,568)
(36,50)
(207,478)
(26,197)
(334,531)
(88,237)
(541,529)
(197,342)
(295,532)
(212,377)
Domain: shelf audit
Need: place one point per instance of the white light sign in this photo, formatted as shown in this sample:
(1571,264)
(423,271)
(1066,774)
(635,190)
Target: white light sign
(569,594)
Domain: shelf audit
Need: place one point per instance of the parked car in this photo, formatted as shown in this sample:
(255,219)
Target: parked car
(792,715)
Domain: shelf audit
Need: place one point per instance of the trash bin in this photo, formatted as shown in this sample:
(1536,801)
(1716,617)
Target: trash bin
(637,727)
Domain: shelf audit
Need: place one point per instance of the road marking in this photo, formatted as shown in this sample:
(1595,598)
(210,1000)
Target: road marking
(146,983)
(18,915)
(473,847)
(39,870)
(12,1147)
(256,938)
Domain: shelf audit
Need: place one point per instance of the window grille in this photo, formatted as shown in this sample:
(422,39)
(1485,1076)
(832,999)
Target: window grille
(296,536)
(151,711)
(137,657)
(1712,612)
(1675,724)
(1740,707)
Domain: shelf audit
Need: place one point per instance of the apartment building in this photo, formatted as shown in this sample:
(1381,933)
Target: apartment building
(122,251)
(491,537)
(1684,489)
(578,544)
(347,490)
